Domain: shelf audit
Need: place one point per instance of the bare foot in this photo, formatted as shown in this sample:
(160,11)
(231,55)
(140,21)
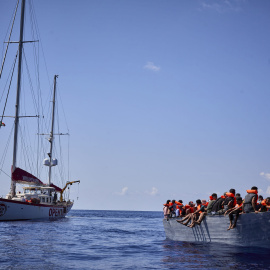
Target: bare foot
(233,226)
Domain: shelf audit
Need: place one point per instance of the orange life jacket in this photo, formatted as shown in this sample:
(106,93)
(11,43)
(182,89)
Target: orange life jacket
(199,206)
(252,191)
(229,194)
(263,202)
(239,205)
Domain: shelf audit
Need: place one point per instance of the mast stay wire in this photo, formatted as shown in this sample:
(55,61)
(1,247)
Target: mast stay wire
(3,63)
(6,150)
(64,114)
(14,64)
(45,123)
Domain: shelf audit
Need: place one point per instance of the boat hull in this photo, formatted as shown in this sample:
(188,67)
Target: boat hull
(252,230)
(11,210)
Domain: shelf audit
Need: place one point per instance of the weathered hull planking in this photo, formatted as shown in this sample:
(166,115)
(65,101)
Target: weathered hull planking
(252,230)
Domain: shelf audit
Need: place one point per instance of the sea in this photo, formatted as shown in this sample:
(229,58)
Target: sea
(88,239)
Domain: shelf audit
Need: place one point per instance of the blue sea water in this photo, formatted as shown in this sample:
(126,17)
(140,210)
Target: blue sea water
(114,240)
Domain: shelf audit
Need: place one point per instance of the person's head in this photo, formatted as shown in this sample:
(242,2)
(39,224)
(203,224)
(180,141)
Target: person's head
(239,200)
(198,201)
(232,190)
(191,203)
(254,188)
(237,195)
(168,201)
(180,201)
(173,201)
(267,200)
(203,201)
(214,195)
(260,198)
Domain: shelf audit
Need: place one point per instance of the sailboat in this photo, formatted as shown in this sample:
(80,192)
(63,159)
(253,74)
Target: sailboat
(38,200)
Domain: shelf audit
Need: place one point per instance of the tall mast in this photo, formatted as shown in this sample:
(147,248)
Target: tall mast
(17,105)
(52,128)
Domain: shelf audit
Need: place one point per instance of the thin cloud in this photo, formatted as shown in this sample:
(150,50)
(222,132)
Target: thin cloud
(268,190)
(223,5)
(123,191)
(265,175)
(153,192)
(151,66)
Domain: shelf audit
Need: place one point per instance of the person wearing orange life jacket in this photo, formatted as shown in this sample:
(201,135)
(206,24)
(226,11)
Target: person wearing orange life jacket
(218,205)
(229,202)
(205,203)
(236,210)
(173,208)
(192,216)
(199,213)
(166,210)
(178,210)
(265,205)
(189,208)
(250,202)
(259,202)
(212,198)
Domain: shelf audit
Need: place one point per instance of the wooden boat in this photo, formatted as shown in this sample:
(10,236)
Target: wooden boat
(37,200)
(252,230)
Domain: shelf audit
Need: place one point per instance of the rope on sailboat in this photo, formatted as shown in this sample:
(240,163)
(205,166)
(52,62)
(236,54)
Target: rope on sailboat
(9,40)
(14,64)
(6,150)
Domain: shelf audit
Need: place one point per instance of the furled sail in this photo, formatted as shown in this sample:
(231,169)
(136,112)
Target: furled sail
(24,177)
(58,189)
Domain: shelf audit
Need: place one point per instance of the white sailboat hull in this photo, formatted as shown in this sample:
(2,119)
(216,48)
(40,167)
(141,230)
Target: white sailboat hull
(11,210)
(252,230)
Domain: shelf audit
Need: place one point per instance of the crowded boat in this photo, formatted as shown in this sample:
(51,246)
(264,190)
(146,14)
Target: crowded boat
(229,204)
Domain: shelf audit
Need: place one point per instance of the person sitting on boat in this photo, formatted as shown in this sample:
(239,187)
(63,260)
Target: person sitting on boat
(218,204)
(189,210)
(237,195)
(166,210)
(229,202)
(205,203)
(200,213)
(179,205)
(236,210)
(250,202)
(213,198)
(193,216)
(259,202)
(173,208)
(265,205)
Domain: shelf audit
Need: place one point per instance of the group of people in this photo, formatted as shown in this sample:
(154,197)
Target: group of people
(230,204)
